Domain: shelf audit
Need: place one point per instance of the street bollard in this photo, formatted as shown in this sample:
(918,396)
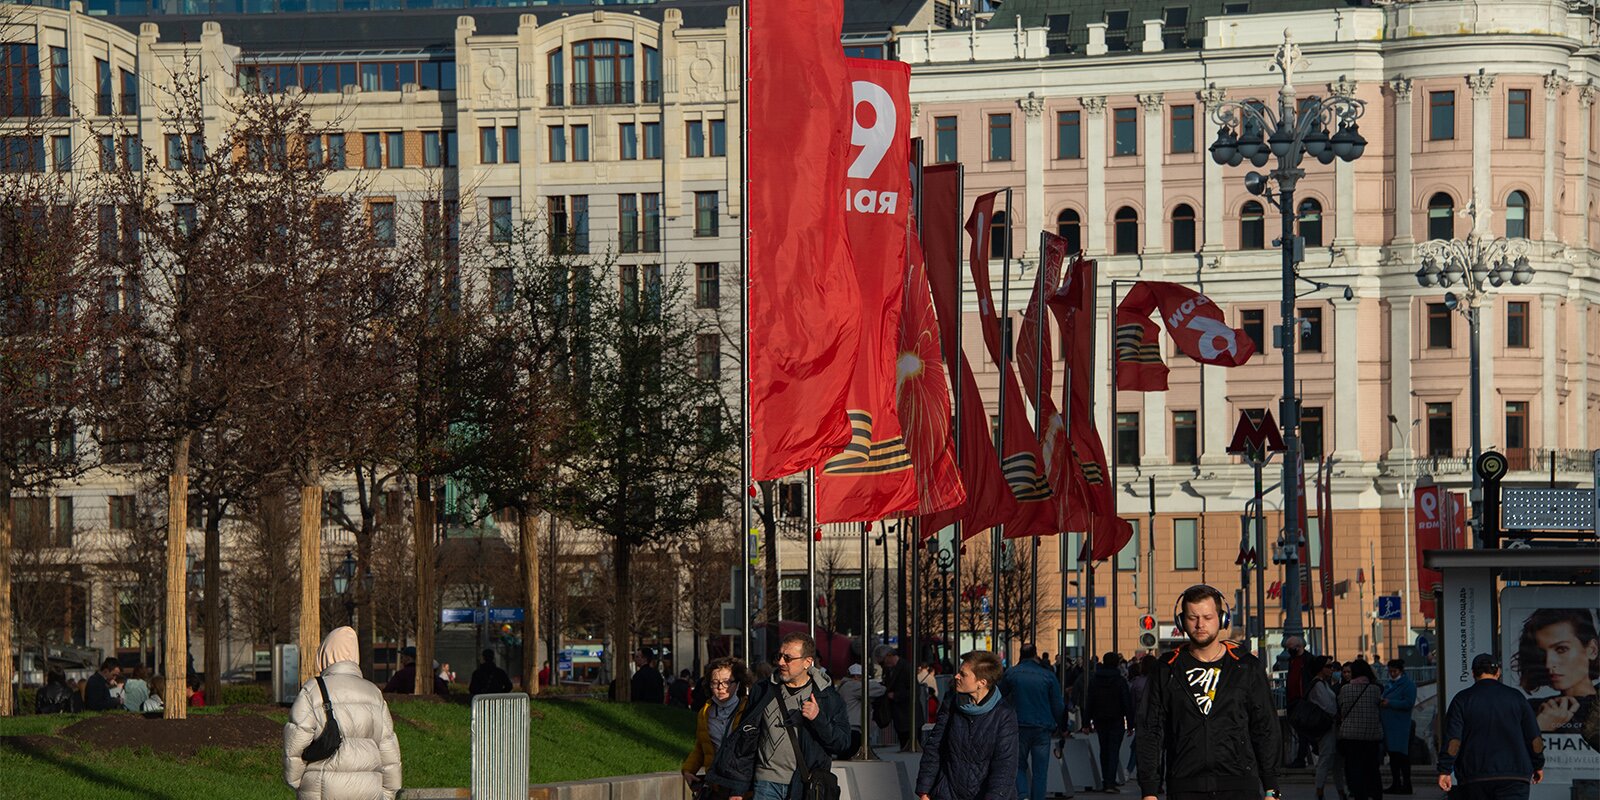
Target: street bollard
(500,746)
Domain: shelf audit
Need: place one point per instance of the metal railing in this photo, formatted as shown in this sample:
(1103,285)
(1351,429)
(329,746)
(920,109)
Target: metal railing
(652,91)
(602,94)
(556,96)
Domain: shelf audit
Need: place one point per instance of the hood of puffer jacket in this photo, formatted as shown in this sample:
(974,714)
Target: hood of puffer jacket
(340,644)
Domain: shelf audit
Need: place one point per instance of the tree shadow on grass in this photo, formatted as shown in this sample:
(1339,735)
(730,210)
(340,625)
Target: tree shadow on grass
(607,716)
(41,750)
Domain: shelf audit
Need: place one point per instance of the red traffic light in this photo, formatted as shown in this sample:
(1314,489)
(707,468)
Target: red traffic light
(1147,622)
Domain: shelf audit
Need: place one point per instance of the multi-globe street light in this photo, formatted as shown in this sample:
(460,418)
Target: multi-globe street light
(1476,264)
(1250,131)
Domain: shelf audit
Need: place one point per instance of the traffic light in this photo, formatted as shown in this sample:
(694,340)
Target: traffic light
(1147,635)
(1147,623)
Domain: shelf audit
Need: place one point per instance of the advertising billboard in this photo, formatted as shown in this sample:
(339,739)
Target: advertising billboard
(1550,646)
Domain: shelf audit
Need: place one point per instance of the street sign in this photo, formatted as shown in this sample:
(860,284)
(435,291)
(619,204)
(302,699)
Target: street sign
(506,614)
(1252,437)
(449,615)
(564,663)
(1389,606)
(1077,601)
(1423,646)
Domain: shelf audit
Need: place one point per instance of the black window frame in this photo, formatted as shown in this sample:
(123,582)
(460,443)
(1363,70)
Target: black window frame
(1442,115)
(1184,239)
(1128,442)
(1180,132)
(1000,137)
(1517,328)
(1439,327)
(1125,131)
(1125,230)
(1186,437)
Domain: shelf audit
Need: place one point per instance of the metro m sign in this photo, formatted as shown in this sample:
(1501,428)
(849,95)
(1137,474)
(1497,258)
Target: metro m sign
(1256,438)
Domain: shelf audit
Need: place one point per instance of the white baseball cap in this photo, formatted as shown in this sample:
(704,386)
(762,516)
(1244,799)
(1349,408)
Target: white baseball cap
(855,669)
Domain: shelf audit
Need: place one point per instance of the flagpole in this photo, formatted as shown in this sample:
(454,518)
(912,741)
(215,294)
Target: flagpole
(1116,435)
(915,547)
(1038,427)
(1087,610)
(865,753)
(998,532)
(745,485)
(1066,424)
(957,380)
(811,551)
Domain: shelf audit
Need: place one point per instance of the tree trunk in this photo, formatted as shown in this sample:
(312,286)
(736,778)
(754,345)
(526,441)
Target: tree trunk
(176,670)
(622,618)
(213,601)
(528,540)
(310,580)
(422,528)
(365,629)
(6,619)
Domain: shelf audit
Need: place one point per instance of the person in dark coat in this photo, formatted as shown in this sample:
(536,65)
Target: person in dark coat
(795,709)
(97,694)
(900,694)
(1108,705)
(405,680)
(971,754)
(55,697)
(678,692)
(1399,696)
(1493,748)
(1033,692)
(647,685)
(489,678)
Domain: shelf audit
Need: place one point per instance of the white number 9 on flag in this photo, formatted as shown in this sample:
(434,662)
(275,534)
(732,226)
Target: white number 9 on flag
(874,141)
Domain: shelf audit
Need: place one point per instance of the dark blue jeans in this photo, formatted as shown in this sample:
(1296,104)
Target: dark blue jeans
(1033,762)
(1110,748)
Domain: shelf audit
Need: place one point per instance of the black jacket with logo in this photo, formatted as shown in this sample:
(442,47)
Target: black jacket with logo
(1236,747)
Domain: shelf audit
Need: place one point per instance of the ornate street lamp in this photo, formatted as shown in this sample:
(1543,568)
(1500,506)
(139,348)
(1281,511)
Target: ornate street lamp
(1325,129)
(341,586)
(1474,264)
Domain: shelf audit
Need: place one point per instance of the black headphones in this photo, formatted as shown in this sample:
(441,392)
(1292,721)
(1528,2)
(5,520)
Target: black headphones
(1225,615)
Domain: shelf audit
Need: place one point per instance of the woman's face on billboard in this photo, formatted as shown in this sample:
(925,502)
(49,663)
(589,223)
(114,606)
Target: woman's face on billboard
(1567,658)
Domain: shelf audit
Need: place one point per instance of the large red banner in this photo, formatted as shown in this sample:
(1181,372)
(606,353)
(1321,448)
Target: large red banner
(1439,521)
(873,477)
(941,245)
(803,300)
(989,500)
(1325,532)
(922,395)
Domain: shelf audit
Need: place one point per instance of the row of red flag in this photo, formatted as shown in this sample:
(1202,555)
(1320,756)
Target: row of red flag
(852,337)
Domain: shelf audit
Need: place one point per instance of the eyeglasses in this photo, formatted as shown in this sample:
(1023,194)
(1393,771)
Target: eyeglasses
(721,684)
(784,658)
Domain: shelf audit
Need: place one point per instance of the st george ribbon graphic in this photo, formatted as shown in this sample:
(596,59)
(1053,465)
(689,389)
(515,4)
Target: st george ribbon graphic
(1195,324)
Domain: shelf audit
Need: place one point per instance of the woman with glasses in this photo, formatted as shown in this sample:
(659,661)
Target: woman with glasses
(729,683)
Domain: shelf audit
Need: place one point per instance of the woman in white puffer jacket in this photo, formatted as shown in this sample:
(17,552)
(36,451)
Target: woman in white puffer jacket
(367,764)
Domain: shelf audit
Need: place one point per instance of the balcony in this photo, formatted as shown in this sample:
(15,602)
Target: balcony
(20,105)
(103,104)
(602,94)
(556,95)
(1519,459)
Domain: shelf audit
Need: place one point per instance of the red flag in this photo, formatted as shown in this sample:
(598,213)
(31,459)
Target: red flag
(941,244)
(1036,370)
(922,395)
(978,225)
(803,299)
(1195,323)
(1023,465)
(1325,534)
(1139,365)
(1303,552)
(989,500)
(873,477)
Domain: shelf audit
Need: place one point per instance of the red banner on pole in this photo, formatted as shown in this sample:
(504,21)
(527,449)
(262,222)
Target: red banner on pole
(1195,324)
(941,246)
(922,395)
(1325,534)
(1439,522)
(989,500)
(873,478)
(803,302)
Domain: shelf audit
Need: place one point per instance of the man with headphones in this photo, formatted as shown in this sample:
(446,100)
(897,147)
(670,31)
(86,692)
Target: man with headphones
(1207,728)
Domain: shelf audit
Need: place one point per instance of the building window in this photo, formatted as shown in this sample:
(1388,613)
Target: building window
(65,522)
(1441,216)
(719,137)
(1128,438)
(1181,135)
(1183,228)
(372,150)
(108,154)
(1186,543)
(1516,216)
(1058,36)
(1253,321)
(1127,231)
(336,150)
(999,137)
(556,72)
(602,72)
(708,357)
(1128,557)
(651,202)
(705,213)
(1439,337)
(380,218)
(1441,430)
(1517,428)
(558,143)
(1517,104)
(1441,115)
(500,229)
(502,289)
(652,140)
(130,94)
(432,149)
(102,96)
(1070,227)
(999,235)
(707,286)
(580,143)
(1311,330)
(580,224)
(1252,227)
(628,223)
(694,136)
(944,140)
(488,146)
(1517,323)
(60,84)
(1185,437)
(512,144)
(1311,432)
(123,512)
(61,153)
(1125,131)
(1310,222)
(1069,134)
(1116,30)
(397,150)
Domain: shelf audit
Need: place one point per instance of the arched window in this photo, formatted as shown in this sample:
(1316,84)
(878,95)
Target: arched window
(1517,216)
(1070,227)
(998,230)
(1310,220)
(1127,238)
(1441,216)
(602,72)
(1183,228)
(1252,227)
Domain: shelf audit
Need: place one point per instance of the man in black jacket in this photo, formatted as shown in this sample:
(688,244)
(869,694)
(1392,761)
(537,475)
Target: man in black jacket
(1492,741)
(1108,706)
(488,678)
(793,725)
(1207,715)
(648,686)
(97,694)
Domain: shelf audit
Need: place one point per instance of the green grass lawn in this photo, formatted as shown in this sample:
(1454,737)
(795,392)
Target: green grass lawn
(571,740)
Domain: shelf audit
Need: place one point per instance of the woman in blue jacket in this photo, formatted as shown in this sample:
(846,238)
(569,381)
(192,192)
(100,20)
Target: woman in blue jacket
(972,752)
(1394,710)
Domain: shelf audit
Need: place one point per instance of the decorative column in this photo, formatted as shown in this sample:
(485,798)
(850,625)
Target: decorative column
(1586,98)
(1401,87)
(1211,97)
(1346,382)
(1554,87)
(1400,331)
(1549,404)
(1154,227)
(1344,204)
(1094,218)
(1578,397)
(1033,161)
(1482,85)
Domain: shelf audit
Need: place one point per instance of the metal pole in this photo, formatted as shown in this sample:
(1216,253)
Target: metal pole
(1288,173)
(1116,459)
(865,753)
(1260,463)
(957,379)
(811,551)
(998,532)
(915,556)
(744,341)
(1150,563)
(884,537)
(1038,424)
(1477,423)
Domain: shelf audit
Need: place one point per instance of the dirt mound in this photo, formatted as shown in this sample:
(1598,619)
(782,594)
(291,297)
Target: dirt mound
(238,728)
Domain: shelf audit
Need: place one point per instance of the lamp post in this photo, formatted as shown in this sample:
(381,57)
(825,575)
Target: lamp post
(341,586)
(1476,263)
(1250,131)
(944,558)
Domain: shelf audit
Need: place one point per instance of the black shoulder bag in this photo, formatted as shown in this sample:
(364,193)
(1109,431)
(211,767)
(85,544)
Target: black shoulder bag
(818,786)
(327,743)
